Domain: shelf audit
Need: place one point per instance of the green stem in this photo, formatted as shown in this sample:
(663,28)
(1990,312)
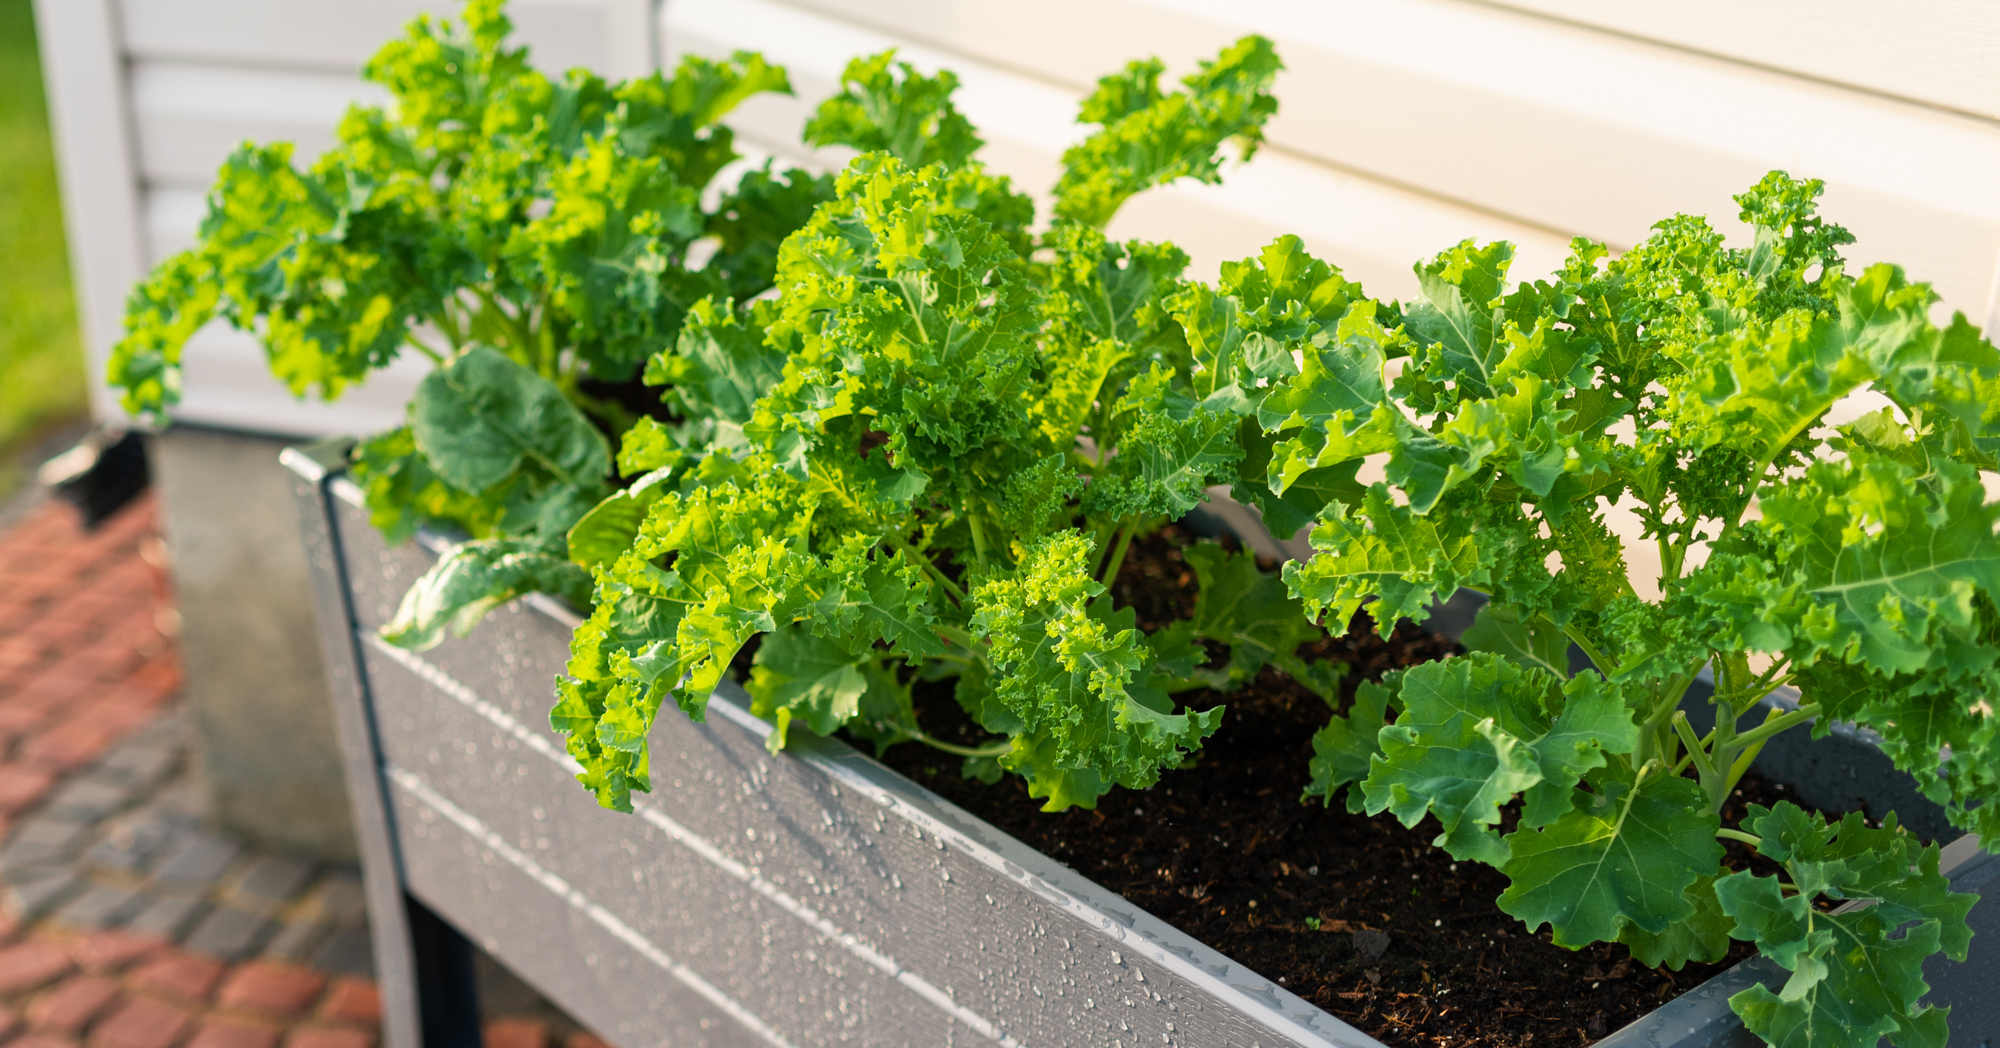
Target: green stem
(978,537)
(1727,834)
(1748,755)
(416,343)
(991,749)
(957,636)
(1110,572)
(1773,726)
(1590,651)
(1701,762)
(930,568)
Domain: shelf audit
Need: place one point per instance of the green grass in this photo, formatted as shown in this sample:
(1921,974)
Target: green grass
(41,357)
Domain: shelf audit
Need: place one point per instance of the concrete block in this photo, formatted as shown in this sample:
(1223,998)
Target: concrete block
(29,900)
(256,683)
(346,952)
(270,883)
(88,800)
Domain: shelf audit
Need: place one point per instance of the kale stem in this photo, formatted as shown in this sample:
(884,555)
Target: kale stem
(1109,574)
(1695,750)
(418,344)
(991,749)
(1590,651)
(1748,755)
(978,537)
(1727,834)
(1757,735)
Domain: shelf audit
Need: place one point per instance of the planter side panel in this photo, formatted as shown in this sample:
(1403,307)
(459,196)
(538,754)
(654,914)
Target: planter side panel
(798,889)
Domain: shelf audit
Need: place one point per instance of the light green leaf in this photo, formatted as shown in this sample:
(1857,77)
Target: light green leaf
(1621,856)
(474,578)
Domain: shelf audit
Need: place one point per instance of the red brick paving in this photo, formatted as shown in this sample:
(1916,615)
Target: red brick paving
(517,1033)
(83,663)
(142,1023)
(233,1033)
(579,1039)
(182,976)
(72,1004)
(352,999)
(27,965)
(275,989)
(328,1037)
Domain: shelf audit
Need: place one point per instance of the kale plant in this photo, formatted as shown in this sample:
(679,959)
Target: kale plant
(1857,563)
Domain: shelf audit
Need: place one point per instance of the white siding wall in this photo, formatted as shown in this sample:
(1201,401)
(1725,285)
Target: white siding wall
(1406,125)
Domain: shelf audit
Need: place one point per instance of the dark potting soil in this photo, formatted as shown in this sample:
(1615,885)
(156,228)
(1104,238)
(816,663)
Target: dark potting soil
(1409,946)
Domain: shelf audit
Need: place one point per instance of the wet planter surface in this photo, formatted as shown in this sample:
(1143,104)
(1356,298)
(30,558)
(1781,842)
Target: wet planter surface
(821,898)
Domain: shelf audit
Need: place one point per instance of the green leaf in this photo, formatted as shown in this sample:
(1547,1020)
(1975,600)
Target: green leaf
(1345,748)
(607,531)
(1475,732)
(478,419)
(1702,938)
(1385,551)
(1622,856)
(1536,643)
(1150,138)
(808,677)
(1067,666)
(887,106)
(1252,613)
(472,579)
(1852,983)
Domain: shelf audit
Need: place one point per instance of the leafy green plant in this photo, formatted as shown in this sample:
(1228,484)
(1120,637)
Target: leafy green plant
(924,458)
(900,433)
(534,237)
(1857,563)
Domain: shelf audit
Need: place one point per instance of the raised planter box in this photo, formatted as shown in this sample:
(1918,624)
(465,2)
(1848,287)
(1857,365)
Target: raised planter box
(813,898)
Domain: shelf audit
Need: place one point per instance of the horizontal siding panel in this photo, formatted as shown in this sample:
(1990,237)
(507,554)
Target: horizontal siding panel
(228,384)
(188,118)
(1557,126)
(339,35)
(1373,230)
(1939,52)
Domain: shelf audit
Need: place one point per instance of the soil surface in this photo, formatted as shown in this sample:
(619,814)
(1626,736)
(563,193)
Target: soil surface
(1409,945)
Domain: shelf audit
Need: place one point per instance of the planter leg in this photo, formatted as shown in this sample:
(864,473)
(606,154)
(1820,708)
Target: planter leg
(447,987)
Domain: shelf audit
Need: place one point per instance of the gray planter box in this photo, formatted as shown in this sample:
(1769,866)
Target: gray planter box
(812,898)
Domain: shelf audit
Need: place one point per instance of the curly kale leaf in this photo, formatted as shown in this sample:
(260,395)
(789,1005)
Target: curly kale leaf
(887,106)
(1078,679)
(1150,138)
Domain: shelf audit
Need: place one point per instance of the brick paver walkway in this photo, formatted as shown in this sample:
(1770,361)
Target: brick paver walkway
(125,920)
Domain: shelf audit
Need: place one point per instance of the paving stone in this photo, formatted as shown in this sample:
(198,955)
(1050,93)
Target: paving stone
(352,999)
(87,800)
(228,933)
(294,941)
(26,965)
(72,1004)
(101,906)
(27,900)
(270,883)
(41,1040)
(580,1039)
(21,786)
(517,1033)
(168,918)
(341,900)
(109,951)
(42,840)
(232,1033)
(141,1023)
(346,952)
(271,988)
(139,766)
(325,1037)
(179,975)
(196,865)
(128,849)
